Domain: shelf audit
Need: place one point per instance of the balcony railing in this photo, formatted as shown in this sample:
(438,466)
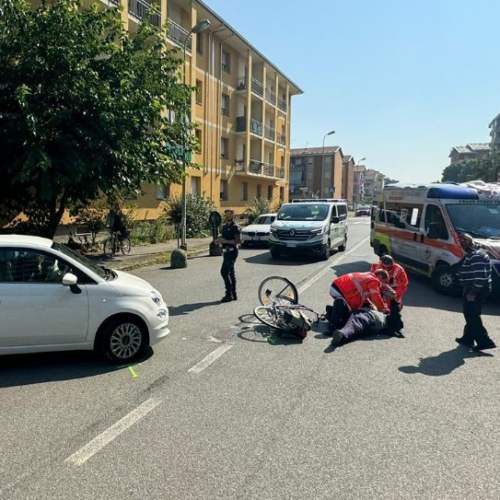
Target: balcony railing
(269,133)
(268,170)
(240,166)
(280,172)
(255,167)
(242,83)
(270,96)
(255,127)
(241,123)
(282,104)
(257,87)
(140,8)
(282,138)
(178,34)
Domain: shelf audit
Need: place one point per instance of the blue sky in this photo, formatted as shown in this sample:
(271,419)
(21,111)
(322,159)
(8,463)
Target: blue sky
(400,82)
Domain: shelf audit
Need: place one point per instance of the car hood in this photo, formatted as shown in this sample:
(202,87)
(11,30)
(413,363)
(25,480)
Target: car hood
(257,227)
(298,224)
(128,284)
(492,246)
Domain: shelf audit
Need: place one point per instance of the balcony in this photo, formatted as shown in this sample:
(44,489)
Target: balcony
(242,83)
(282,138)
(270,96)
(269,133)
(282,104)
(256,167)
(139,9)
(257,87)
(178,35)
(240,166)
(256,127)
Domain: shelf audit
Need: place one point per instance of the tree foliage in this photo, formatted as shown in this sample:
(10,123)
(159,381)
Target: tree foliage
(198,209)
(486,169)
(82,109)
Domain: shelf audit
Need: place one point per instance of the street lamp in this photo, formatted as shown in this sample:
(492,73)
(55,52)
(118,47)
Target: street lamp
(323,163)
(197,28)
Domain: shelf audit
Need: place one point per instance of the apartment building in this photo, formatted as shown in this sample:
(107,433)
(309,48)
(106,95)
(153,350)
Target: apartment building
(468,152)
(495,132)
(242,107)
(373,184)
(316,172)
(358,185)
(348,178)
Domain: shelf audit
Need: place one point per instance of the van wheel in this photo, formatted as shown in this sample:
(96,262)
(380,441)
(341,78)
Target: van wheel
(343,247)
(325,254)
(444,282)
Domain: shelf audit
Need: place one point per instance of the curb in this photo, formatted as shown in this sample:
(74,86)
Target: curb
(148,260)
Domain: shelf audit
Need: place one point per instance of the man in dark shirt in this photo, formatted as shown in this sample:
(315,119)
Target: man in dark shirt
(474,274)
(229,240)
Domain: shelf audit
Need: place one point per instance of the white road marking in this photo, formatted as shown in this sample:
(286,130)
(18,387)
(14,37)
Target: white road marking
(98,443)
(213,356)
(305,286)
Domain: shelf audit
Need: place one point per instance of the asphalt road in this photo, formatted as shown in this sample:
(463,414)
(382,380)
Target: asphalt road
(219,412)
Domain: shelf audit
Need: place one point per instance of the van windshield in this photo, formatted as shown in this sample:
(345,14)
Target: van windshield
(481,220)
(303,211)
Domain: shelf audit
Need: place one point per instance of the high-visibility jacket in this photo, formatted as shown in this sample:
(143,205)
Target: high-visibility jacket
(398,280)
(360,288)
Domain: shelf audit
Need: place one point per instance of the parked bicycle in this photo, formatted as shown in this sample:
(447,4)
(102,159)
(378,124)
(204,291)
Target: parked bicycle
(115,243)
(280,309)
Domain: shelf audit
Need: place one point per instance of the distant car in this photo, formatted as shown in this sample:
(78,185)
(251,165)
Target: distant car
(258,232)
(53,299)
(365,210)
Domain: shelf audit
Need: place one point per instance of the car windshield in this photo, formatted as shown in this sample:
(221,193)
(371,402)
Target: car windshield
(303,211)
(479,220)
(80,259)
(265,219)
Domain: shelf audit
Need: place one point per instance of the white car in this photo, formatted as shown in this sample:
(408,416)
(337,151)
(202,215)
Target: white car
(258,231)
(53,299)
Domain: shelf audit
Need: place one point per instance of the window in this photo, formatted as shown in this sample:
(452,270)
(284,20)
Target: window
(244,191)
(199,92)
(296,176)
(434,216)
(195,185)
(225,104)
(199,43)
(226,62)
(223,189)
(162,191)
(198,138)
(258,191)
(269,192)
(282,193)
(342,210)
(224,148)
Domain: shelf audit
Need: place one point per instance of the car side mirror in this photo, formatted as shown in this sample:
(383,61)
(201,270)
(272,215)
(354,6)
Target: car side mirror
(335,219)
(69,279)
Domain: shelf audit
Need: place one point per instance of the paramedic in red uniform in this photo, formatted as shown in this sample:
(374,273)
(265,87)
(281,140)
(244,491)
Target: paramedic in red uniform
(398,280)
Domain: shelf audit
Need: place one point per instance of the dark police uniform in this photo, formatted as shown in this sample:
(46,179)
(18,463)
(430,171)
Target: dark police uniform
(230,231)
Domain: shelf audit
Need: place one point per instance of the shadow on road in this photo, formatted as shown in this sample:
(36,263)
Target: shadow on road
(187,308)
(444,363)
(266,259)
(29,369)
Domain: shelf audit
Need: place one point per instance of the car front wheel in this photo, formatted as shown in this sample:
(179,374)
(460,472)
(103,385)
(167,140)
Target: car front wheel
(122,340)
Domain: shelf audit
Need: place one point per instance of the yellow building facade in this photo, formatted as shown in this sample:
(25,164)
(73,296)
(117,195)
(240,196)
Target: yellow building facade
(242,107)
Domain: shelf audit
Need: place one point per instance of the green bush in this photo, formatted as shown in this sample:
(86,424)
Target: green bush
(152,231)
(198,210)
(257,207)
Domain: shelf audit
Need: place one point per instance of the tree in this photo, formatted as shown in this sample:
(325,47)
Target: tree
(82,109)
(486,168)
(198,209)
(388,180)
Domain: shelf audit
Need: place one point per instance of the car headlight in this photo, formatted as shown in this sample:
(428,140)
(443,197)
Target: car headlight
(273,230)
(156,298)
(319,231)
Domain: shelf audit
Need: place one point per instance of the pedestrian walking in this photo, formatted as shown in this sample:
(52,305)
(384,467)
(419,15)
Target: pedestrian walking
(229,241)
(474,274)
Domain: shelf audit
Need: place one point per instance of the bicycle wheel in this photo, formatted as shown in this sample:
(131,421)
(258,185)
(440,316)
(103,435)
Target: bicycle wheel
(270,317)
(278,289)
(109,247)
(126,246)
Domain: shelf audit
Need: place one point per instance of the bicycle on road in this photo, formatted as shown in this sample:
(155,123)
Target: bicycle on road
(115,243)
(280,309)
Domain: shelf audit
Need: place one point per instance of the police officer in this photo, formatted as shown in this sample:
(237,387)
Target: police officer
(229,240)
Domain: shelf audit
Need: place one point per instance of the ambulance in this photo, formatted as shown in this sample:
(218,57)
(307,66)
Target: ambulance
(419,225)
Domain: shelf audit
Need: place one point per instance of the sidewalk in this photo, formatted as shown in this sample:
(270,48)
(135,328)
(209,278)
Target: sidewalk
(148,255)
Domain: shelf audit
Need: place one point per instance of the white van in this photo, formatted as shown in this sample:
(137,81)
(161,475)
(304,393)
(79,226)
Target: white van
(313,226)
(419,224)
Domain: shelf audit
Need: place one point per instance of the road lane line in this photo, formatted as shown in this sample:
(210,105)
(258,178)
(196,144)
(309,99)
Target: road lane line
(98,443)
(313,280)
(213,356)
